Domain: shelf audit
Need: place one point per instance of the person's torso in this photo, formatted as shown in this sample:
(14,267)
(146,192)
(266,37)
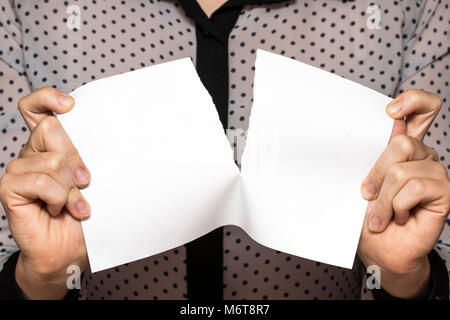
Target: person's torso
(69,43)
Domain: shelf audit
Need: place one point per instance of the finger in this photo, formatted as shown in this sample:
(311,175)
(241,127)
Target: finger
(51,163)
(401,148)
(77,205)
(17,190)
(50,136)
(41,103)
(398,128)
(429,193)
(418,107)
(396,178)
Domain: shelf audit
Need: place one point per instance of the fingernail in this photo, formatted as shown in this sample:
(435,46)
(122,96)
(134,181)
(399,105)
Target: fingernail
(81,175)
(375,223)
(66,100)
(370,190)
(394,108)
(82,208)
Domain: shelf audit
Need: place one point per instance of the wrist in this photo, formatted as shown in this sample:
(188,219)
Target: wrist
(37,285)
(406,283)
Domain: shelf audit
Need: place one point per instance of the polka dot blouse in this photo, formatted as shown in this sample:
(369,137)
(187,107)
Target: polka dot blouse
(389,46)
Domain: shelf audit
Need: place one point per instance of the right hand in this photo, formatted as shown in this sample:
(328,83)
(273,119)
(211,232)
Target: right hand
(41,197)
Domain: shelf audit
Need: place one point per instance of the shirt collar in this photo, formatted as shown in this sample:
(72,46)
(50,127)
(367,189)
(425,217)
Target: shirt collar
(195,12)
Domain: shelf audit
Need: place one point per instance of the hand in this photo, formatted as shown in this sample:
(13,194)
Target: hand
(409,195)
(41,197)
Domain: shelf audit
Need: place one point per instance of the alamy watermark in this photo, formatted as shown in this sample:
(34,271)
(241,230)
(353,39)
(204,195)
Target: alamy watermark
(74,18)
(374,280)
(74,278)
(265,151)
(374,19)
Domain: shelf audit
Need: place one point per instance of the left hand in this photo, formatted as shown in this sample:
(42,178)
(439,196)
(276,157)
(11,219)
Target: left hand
(409,199)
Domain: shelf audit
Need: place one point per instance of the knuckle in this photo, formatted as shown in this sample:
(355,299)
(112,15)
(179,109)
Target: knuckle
(55,161)
(404,143)
(413,96)
(437,102)
(418,186)
(397,173)
(45,92)
(404,94)
(47,125)
(40,180)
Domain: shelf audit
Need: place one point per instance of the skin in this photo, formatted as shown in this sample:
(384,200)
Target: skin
(210,6)
(409,199)
(408,192)
(40,193)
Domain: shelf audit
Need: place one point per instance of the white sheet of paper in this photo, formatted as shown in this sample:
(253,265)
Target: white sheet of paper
(160,163)
(163,172)
(312,138)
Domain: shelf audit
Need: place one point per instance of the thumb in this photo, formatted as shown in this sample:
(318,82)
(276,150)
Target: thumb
(42,103)
(418,107)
